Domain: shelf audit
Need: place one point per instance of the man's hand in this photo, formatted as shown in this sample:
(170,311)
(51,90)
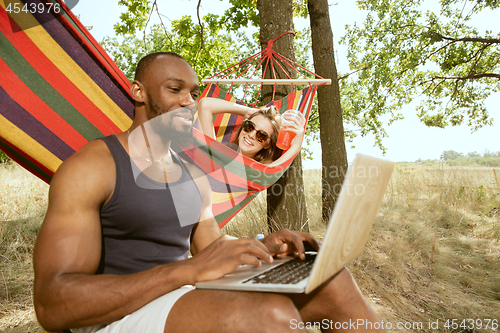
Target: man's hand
(226,254)
(289,242)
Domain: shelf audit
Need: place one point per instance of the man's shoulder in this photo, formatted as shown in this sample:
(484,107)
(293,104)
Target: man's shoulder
(94,160)
(92,154)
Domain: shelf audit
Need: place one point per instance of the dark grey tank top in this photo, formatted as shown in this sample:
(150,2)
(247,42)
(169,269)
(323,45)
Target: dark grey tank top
(146,226)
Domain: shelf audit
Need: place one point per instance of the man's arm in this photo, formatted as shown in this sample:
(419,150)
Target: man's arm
(283,242)
(214,253)
(68,250)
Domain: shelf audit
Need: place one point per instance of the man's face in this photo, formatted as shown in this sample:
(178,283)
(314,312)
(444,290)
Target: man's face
(172,91)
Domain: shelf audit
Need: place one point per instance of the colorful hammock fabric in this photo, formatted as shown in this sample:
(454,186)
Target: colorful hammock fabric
(234,178)
(60,90)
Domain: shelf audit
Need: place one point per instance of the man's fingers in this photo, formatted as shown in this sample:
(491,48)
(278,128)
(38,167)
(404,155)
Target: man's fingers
(309,241)
(312,241)
(303,239)
(290,242)
(257,243)
(226,254)
(293,240)
(276,248)
(247,259)
(298,245)
(251,246)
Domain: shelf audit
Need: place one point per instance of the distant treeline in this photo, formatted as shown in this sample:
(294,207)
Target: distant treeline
(450,157)
(453,158)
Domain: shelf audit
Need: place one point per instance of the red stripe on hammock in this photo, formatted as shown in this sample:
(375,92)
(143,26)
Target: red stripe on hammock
(35,162)
(218,119)
(27,99)
(291,101)
(219,173)
(54,77)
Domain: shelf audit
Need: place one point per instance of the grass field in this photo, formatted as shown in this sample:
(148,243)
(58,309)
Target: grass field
(433,254)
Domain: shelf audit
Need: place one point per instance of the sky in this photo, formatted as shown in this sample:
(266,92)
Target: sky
(408,139)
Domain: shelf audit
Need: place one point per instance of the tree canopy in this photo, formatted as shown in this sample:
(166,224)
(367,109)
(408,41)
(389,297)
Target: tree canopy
(210,43)
(401,52)
(204,44)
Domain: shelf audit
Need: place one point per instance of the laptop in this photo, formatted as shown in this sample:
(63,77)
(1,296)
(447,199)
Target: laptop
(347,232)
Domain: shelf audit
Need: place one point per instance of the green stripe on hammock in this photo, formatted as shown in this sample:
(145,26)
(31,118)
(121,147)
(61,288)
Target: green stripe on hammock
(36,83)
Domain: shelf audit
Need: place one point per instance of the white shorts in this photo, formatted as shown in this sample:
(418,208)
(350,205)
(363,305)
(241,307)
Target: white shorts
(150,318)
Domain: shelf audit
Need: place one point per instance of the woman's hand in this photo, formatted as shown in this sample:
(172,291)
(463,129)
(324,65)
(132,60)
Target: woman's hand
(294,121)
(249,112)
(210,106)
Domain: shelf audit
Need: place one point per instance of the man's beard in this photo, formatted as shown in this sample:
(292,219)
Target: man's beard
(163,127)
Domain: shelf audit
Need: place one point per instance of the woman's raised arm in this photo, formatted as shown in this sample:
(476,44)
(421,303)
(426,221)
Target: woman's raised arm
(210,106)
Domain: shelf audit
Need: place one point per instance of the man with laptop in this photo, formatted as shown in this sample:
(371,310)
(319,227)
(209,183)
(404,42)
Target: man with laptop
(86,277)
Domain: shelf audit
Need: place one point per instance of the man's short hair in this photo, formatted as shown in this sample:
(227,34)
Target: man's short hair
(142,69)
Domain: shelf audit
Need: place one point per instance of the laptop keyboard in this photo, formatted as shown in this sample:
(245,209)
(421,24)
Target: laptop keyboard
(291,272)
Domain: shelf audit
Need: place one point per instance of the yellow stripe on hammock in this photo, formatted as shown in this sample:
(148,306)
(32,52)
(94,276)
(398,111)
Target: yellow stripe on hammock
(296,100)
(218,197)
(223,124)
(70,69)
(32,148)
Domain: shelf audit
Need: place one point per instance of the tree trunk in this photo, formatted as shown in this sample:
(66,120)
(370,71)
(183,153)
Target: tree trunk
(286,206)
(334,154)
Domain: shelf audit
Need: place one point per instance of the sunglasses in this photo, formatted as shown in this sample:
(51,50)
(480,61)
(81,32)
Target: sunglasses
(248,126)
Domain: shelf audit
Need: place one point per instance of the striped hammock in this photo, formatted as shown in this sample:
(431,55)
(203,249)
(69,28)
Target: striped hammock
(234,178)
(59,90)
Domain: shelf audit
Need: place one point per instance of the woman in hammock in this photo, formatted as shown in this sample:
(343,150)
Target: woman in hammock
(256,138)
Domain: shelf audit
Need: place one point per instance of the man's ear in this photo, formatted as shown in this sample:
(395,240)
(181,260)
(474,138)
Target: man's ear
(137,91)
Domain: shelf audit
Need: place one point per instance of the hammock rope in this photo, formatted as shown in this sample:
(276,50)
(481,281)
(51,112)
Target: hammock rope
(272,60)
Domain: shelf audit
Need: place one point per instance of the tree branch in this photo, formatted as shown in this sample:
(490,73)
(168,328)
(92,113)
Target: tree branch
(349,74)
(471,76)
(147,22)
(161,21)
(477,56)
(201,30)
(470,39)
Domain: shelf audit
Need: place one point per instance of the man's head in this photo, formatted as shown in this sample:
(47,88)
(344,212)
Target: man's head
(165,84)
(143,66)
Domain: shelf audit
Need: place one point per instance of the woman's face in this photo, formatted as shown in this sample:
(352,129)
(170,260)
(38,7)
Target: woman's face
(249,145)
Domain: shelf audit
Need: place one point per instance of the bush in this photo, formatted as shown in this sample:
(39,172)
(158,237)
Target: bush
(4,158)
(489,161)
(450,155)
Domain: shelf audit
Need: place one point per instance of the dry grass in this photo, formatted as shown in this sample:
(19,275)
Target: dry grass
(433,254)
(23,202)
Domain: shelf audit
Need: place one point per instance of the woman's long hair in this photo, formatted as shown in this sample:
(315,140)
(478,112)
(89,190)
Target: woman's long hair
(267,155)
